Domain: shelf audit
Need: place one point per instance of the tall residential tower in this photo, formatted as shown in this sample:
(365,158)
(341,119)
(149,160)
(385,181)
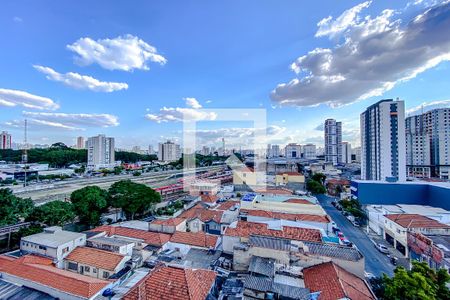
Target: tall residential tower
(333,141)
(100,152)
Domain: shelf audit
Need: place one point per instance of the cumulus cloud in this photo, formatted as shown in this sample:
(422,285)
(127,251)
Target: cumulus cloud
(426,106)
(124,53)
(12,98)
(371,56)
(82,82)
(179,114)
(38,120)
(320,127)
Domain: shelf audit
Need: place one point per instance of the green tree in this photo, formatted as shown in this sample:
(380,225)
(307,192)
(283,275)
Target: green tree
(53,213)
(89,203)
(133,198)
(319,177)
(13,209)
(315,187)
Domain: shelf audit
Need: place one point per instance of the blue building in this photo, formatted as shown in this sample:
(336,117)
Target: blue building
(421,193)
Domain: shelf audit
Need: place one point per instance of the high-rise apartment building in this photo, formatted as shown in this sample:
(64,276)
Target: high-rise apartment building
(100,152)
(383,154)
(273,151)
(427,144)
(309,151)
(346,156)
(80,142)
(333,141)
(293,151)
(169,151)
(5,140)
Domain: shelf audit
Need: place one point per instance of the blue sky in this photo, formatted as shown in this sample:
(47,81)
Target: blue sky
(110,67)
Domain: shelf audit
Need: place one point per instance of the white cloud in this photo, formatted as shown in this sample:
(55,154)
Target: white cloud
(83,82)
(45,120)
(372,55)
(426,106)
(12,98)
(124,53)
(179,114)
(18,19)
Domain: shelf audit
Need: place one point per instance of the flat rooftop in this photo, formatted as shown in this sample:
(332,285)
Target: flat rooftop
(53,237)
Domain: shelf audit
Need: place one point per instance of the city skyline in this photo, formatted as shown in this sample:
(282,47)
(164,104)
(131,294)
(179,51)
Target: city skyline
(160,63)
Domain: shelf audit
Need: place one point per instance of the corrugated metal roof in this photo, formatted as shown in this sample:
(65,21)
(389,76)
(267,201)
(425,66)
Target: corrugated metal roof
(270,242)
(261,265)
(336,251)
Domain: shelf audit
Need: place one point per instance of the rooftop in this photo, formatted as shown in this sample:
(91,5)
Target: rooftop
(286,216)
(168,222)
(40,272)
(227,205)
(15,292)
(298,201)
(266,284)
(262,265)
(96,258)
(209,198)
(335,251)
(109,241)
(199,239)
(53,237)
(173,283)
(245,229)
(151,238)
(202,213)
(333,283)
(415,221)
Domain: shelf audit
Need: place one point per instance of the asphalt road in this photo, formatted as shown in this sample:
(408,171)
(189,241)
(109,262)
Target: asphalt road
(376,262)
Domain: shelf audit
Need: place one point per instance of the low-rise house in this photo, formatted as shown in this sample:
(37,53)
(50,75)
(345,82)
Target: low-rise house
(209,200)
(332,282)
(184,241)
(168,225)
(174,283)
(111,244)
(39,273)
(204,187)
(432,249)
(336,186)
(228,205)
(396,227)
(293,180)
(94,262)
(53,242)
(199,218)
(240,232)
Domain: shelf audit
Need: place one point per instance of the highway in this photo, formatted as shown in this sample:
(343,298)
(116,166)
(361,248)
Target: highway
(376,262)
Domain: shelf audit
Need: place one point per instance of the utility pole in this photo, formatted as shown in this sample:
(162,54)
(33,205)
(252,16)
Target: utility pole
(25,153)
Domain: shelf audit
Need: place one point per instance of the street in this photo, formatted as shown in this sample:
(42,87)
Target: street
(376,262)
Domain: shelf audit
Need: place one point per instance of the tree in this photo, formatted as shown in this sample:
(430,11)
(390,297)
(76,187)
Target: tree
(319,177)
(89,203)
(53,213)
(13,209)
(315,187)
(133,198)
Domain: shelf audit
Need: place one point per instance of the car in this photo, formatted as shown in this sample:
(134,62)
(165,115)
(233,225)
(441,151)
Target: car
(382,248)
(333,203)
(356,224)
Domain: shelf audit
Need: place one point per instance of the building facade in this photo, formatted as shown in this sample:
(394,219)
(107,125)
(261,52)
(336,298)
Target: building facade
(80,142)
(100,152)
(333,141)
(346,156)
(383,154)
(309,151)
(427,144)
(5,140)
(293,151)
(169,151)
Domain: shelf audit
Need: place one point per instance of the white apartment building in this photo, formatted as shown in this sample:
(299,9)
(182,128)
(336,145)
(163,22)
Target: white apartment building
(333,141)
(309,151)
(383,154)
(346,156)
(427,144)
(169,151)
(356,154)
(292,151)
(273,151)
(80,142)
(100,152)
(5,140)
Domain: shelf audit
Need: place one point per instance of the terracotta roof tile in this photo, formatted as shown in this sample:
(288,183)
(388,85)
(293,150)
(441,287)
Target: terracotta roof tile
(209,198)
(298,201)
(227,205)
(173,283)
(333,282)
(245,229)
(96,258)
(415,221)
(72,283)
(151,238)
(286,216)
(169,222)
(199,239)
(203,214)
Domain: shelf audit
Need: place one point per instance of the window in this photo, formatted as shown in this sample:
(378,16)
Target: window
(42,247)
(94,270)
(65,250)
(72,266)
(105,274)
(87,269)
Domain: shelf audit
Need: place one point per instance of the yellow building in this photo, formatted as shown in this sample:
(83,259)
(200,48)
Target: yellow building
(286,178)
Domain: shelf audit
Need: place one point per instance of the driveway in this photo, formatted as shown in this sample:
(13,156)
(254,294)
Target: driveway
(376,262)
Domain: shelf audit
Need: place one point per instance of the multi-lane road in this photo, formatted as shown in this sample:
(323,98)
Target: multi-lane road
(376,262)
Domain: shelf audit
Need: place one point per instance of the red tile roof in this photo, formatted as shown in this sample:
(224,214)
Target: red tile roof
(286,216)
(209,198)
(203,214)
(44,274)
(245,229)
(415,221)
(169,222)
(96,258)
(173,283)
(333,282)
(151,238)
(227,205)
(199,239)
(289,173)
(298,201)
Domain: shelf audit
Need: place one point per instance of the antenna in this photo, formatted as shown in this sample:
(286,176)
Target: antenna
(25,152)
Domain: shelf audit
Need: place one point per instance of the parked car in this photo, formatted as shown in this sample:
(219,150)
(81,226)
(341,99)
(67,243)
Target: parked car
(382,248)
(333,203)
(356,224)
(347,243)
